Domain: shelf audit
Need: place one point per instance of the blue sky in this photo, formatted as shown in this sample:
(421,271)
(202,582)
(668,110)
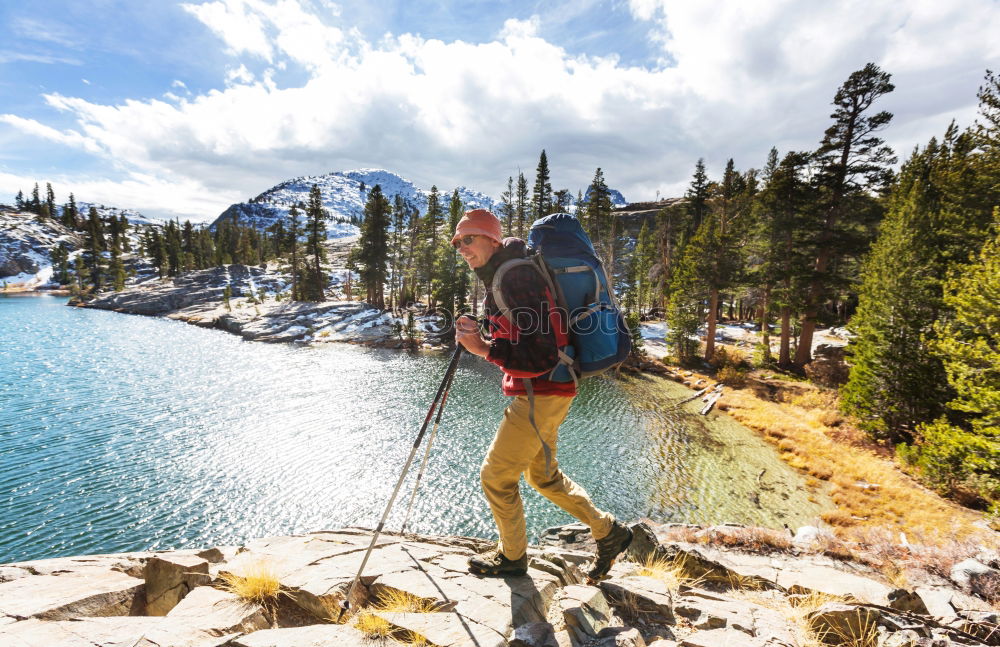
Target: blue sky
(180,108)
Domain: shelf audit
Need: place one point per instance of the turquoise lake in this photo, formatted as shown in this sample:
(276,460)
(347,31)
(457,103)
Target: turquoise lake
(122,433)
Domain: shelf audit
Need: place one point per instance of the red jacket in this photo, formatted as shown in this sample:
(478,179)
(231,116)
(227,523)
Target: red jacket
(527,347)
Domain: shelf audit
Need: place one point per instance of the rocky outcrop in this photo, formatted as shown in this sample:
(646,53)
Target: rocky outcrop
(666,594)
(198,298)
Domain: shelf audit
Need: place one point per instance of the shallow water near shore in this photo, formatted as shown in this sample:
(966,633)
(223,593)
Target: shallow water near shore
(122,433)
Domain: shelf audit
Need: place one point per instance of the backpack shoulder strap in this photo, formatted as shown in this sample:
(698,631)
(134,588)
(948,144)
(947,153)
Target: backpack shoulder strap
(542,270)
(498,281)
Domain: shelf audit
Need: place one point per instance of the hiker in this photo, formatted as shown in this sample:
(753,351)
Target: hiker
(524,348)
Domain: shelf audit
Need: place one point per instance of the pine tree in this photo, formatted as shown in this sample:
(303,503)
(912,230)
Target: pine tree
(156,251)
(598,220)
(541,196)
(429,233)
(961,452)
(941,213)
(60,261)
(172,247)
(411,280)
(116,271)
(719,260)
(123,229)
(373,246)
(687,293)
(779,217)
(697,200)
(294,231)
(50,201)
(35,206)
(639,267)
(397,250)
(453,279)
(852,161)
(314,284)
(19,201)
(895,382)
(521,207)
(507,209)
(561,200)
(94,245)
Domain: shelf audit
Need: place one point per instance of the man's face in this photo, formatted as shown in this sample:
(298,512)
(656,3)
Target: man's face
(478,250)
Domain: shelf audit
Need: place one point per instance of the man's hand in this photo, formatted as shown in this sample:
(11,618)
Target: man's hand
(467,334)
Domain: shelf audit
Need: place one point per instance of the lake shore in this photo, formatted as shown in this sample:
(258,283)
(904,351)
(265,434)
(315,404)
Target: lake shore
(872,493)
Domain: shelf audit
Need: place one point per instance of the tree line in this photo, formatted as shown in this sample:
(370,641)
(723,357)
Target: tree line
(907,261)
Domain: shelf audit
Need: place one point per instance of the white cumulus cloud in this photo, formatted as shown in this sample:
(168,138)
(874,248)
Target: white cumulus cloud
(734,78)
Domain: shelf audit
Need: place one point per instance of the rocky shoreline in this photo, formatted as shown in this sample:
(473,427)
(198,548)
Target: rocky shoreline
(198,298)
(681,586)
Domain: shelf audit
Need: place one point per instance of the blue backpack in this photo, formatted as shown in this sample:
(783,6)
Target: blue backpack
(562,253)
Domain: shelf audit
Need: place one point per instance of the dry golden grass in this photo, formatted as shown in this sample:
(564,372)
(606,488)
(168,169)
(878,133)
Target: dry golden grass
(795,609)
(372,626)
(864,634)
(802,421)
(671,572)
(393,600)
(259,584)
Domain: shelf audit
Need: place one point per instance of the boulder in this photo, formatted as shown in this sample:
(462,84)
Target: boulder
(585,611)
(937,601)
(806,535)
(132,631)
(219,612)
(905,638)
(645,546)
(445,629)
(449,595)
(975,577)
(707,611)
(534,634)
(73,595)
(720,638)
(620,637)
(910,601)
(310,636)
(169,578)
(645,596)
(801,576)
(529,596)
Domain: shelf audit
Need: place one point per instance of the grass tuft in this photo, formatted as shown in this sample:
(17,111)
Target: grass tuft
(259,584)
(393,600)
(671,571)
(372,626)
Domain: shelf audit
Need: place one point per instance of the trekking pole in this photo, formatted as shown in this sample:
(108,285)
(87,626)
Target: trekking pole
(427,454)
(449,374)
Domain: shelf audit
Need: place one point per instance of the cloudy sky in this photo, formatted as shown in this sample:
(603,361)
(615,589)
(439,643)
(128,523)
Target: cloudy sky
(182,108)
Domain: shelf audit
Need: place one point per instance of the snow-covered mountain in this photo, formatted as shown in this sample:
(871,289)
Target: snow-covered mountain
(344,196)
(133,216)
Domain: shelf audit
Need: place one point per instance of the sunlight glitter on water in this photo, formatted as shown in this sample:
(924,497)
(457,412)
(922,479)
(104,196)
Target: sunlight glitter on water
(125,433)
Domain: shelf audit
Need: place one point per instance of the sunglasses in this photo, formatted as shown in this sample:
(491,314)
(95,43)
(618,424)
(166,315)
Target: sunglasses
(464,240)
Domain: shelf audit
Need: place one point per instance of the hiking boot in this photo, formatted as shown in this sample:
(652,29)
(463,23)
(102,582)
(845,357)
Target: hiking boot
(608,548)
(494,563)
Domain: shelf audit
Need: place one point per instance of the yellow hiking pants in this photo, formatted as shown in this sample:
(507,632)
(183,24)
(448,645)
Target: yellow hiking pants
(516,450)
